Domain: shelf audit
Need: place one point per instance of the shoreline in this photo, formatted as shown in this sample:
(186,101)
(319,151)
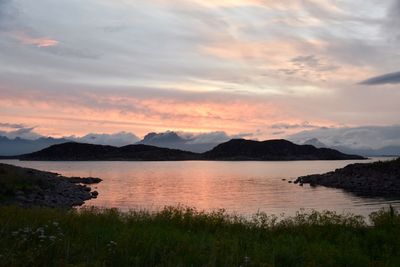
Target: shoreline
(28,187)
(376,179)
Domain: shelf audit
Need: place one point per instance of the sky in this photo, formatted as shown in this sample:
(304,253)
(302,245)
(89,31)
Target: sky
(256,68)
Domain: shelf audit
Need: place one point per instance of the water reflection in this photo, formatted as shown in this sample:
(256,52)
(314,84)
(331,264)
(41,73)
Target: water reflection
(240,187)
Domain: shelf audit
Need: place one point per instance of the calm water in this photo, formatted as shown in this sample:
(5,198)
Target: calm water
(239,187)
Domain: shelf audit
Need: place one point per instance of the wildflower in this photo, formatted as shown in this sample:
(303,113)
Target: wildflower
(56,224)
(246,260)
(112,243)
(52,238)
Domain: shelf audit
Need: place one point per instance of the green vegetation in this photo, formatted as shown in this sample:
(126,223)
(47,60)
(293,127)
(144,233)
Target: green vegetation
(185,237)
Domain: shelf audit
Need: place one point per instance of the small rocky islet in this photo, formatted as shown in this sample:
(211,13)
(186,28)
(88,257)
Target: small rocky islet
(377,179)
(33,188)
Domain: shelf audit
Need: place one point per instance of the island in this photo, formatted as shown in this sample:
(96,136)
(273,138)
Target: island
(235,149)
(377,179)
(273,150)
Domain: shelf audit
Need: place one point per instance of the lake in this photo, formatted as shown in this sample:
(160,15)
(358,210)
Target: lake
(242,187)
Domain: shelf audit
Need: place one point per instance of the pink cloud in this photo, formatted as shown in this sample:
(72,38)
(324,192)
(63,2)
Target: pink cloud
(113,112)
(24,38)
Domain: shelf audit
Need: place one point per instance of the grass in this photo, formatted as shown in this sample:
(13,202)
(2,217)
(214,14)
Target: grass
(180,236)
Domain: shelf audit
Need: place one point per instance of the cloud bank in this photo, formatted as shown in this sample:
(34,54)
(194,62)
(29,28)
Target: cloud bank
(116,139)
(389,78)
(366,137)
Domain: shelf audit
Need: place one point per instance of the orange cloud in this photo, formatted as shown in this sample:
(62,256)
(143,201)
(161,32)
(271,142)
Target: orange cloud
(24,38)
(91,112)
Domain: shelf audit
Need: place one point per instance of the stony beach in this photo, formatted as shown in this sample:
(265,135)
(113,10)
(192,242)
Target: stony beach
(378,179)
(29,187)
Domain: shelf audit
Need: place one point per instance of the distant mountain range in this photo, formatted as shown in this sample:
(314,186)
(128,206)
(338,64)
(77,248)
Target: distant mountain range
(169,139)
(384,151)
(362,140)
(18,146)
(235,149)
(172,140)
(203,142)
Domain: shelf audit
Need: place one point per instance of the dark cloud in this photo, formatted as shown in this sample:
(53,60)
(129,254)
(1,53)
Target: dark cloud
(66,51)
(278,133)
(25,133)
(313,62)
(389,78)
(12,125)
(287,126)
(310,67)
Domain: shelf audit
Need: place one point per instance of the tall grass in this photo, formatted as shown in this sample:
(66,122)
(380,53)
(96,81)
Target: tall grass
(181,236)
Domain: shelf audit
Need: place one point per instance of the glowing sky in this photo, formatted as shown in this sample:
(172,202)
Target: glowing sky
(264,67)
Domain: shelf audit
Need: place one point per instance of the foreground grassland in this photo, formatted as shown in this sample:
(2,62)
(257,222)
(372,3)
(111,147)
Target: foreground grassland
(185,237)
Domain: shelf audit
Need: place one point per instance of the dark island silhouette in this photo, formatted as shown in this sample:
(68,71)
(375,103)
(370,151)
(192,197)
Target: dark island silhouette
(72,151)
(272,150)
(233,150)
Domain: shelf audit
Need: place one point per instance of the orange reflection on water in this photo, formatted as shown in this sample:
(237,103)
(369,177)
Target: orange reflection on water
(240,187)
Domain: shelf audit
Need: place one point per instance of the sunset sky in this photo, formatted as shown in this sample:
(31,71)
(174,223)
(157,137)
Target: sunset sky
(261,68)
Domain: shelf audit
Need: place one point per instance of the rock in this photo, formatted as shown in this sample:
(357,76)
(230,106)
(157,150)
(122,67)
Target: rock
(86,188)
(85,180)
(95,194)
(19,193)
(50,189)
(21,198)
(377,179)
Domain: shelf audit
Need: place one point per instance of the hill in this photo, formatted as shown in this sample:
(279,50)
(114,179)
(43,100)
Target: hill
(241,149)
(88,152)
(235,149)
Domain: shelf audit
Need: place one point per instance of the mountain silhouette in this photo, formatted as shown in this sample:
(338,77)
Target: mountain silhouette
(72,151)
(18,146)
(235,149)
(241,149)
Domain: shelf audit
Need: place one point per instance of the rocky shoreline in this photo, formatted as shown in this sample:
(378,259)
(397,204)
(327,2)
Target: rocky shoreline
(377,179)
(29,188)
